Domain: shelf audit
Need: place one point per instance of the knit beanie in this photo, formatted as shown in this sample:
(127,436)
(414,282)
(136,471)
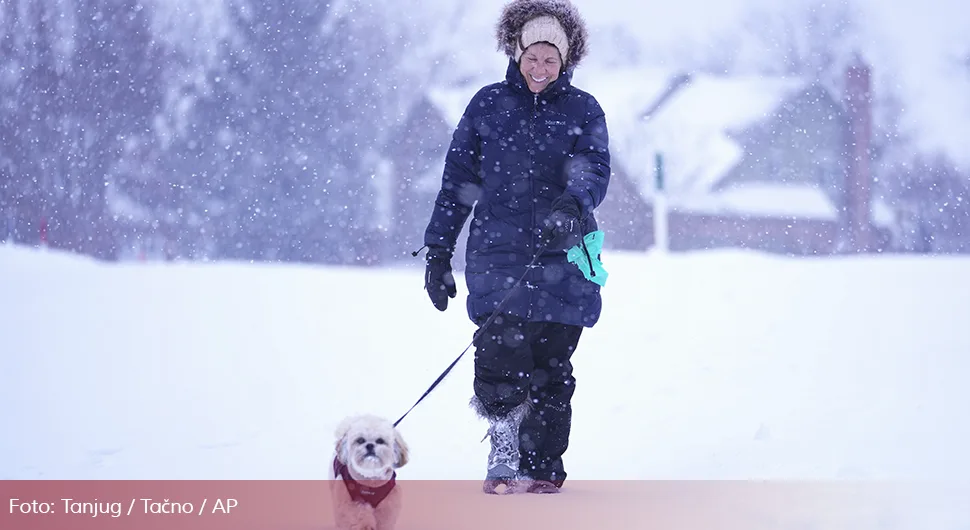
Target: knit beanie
(544,28)
(523,23)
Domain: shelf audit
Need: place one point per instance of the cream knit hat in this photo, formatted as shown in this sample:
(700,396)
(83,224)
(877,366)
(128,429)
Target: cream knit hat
(545,28)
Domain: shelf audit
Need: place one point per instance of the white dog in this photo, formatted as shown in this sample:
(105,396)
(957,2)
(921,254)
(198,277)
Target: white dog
(364,492)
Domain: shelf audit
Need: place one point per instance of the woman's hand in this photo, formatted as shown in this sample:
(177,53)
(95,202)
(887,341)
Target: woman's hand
(561,230)
(439,280)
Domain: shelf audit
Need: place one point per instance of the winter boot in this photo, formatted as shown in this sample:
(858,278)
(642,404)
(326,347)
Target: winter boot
(503,457)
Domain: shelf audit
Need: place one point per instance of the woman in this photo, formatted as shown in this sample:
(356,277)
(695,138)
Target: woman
(531,156)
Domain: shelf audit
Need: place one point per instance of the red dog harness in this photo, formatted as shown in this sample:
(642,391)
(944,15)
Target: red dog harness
(360,492)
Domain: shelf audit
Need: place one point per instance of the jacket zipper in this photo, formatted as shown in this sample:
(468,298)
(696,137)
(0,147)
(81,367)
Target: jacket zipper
(532,163)
(532,160)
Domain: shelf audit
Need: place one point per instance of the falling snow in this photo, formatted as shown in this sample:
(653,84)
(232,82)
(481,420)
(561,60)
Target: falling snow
(308,131)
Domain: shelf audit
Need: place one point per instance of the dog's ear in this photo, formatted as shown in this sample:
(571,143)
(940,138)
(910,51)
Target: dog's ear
(401,450)
(340,445)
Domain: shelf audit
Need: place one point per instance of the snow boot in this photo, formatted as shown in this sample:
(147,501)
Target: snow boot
(503,457)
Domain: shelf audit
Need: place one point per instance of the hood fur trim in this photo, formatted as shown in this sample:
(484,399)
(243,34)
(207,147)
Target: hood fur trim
(516,13)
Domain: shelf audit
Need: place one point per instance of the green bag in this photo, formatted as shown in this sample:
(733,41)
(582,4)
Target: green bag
(592,267)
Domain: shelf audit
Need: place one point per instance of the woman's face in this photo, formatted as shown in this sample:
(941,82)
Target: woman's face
(540,65)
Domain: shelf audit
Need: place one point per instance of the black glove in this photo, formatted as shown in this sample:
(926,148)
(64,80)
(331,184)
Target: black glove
(561,229)
(438,278)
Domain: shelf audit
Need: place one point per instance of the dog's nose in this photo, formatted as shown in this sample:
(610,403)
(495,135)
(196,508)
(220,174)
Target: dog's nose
(370,447)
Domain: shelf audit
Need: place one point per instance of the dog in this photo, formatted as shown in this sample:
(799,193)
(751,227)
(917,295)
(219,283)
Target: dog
(368,451)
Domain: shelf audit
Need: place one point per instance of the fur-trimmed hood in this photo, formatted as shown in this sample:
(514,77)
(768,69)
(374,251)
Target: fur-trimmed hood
(516,13)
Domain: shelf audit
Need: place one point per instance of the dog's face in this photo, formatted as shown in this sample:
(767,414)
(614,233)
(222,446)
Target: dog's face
(370,447)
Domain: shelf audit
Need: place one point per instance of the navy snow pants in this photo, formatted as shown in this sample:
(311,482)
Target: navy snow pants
(517,360)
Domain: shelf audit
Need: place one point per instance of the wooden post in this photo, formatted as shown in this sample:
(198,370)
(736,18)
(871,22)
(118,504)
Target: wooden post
(660,208)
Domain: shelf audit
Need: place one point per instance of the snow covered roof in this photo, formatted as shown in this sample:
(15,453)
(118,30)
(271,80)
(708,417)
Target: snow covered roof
(692,131)
(624,94)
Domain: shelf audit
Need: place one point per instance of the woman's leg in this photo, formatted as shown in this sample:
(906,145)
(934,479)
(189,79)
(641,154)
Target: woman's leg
(544,433)
(503,369)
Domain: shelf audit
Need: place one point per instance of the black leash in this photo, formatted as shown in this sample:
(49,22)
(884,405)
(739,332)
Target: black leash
(484,326)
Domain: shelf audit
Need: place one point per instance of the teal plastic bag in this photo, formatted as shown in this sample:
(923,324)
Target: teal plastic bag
(576,254)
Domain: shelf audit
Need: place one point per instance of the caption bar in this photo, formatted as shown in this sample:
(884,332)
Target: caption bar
(449,504)
(99,508)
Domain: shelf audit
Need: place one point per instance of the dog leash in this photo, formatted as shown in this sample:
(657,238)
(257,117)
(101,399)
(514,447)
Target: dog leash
(484,326)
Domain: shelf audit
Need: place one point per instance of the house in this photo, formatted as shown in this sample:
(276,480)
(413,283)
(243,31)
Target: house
(752,162)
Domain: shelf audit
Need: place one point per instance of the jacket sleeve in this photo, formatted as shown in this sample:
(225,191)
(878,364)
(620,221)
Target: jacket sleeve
(460,187)
(588,173)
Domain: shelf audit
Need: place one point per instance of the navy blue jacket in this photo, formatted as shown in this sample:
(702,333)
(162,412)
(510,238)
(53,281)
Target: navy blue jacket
(512,154)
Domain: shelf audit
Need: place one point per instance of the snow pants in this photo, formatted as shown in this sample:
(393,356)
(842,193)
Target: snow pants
(517,361)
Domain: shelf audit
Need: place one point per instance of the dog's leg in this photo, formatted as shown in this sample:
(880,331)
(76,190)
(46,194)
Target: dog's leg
(388,510)
(357,516)
(365,518)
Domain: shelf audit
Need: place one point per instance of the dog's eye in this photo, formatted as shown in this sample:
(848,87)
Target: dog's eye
(380,441)
(360,440)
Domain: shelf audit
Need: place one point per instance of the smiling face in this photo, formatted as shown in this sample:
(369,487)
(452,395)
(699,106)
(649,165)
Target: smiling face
(540,65)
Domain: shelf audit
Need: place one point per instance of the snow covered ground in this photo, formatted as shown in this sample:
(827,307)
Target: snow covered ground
(717,365)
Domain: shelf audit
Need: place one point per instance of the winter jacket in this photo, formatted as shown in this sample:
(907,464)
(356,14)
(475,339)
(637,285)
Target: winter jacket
(512,154)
